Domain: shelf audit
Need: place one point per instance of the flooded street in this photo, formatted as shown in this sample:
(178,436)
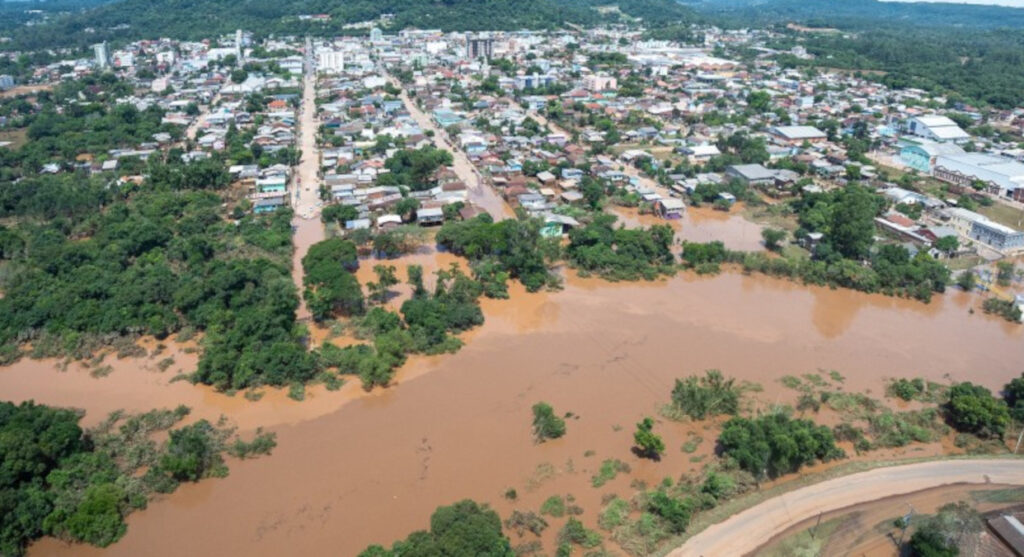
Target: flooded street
(351,469)
(480,193)
(701,224)
(306,224)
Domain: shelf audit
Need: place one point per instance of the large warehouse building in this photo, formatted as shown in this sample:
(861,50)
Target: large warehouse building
(1001,176)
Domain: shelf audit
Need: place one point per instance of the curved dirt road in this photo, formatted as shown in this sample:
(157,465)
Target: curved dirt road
(743,533)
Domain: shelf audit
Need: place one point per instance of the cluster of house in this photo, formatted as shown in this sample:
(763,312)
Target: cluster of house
(191,82)
(536,111)
(363,126)
(689,99)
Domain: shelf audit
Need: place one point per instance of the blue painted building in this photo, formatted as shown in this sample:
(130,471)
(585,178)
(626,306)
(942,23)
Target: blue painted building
(920,154)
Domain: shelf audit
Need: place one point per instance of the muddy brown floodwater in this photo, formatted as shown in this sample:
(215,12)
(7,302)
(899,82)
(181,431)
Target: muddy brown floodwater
(702,224)
(351,470)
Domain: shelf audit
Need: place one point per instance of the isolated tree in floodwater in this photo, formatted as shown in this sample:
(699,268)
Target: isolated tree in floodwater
(546,425)
(386,278)
(647,443)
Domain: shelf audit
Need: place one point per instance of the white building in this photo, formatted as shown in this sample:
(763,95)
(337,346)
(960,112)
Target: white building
(102,55)
(6,82)
(1000,175)
(330,61)
(597,82)
(936,128)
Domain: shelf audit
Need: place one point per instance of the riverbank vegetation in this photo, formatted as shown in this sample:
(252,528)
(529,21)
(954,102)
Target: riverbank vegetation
(426,324)
(621,253)
(699,398)
(79,485)
(510,246)
(773,445)
(156,260)
(465,528)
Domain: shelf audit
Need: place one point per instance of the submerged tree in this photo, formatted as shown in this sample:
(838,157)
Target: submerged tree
(546,425)
(647,443)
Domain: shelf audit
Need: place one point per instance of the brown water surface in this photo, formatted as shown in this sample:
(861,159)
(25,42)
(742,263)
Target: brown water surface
(702,224)
(351,470)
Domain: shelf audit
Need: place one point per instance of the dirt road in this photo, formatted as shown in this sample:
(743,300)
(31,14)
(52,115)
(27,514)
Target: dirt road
(745,532)
(193,129)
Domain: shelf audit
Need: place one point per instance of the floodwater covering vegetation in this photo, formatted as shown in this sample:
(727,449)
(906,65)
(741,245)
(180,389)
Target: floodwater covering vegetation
(79,485)
(425,325)
(157,259)
(465,528)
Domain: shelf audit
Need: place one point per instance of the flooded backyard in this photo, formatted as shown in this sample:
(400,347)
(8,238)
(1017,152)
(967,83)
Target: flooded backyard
(353,469)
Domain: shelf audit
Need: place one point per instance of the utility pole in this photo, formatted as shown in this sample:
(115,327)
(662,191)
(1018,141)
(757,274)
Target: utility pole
(905,524)
(814,531)
(1019,438)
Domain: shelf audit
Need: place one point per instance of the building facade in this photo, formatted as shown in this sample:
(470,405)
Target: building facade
(479,47)
(998,175)
(101,55)
(330,61)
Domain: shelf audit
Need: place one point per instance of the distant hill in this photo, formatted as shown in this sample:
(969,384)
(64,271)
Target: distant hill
(860,14)
(193,19)
(14,13)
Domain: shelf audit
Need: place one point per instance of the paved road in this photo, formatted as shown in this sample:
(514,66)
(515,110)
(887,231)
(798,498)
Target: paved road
(480,193)
(745,532)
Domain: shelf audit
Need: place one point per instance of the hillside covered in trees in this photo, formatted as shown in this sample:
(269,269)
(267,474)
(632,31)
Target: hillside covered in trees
(199,19)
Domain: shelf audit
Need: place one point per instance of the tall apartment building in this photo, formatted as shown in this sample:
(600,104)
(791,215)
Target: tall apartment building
(479,47)
(330,61)
(102,55)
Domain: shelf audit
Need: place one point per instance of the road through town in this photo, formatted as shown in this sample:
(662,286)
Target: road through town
(307,229)
(745,532)
(481,194)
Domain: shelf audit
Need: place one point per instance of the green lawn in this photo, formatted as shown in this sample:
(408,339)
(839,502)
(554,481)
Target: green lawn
(1004,214)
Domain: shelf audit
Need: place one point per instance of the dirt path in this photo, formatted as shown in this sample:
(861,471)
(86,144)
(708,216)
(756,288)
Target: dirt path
(193,129)
(745,532)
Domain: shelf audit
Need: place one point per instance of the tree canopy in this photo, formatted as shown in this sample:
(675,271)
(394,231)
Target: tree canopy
(773,445)
(460,530)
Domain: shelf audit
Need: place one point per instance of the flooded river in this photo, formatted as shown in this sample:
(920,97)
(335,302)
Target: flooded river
(351,470)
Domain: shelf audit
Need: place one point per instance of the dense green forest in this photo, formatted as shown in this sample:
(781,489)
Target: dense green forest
(78,485)
(858,15)
(976,66)
(14,13)
(156,261)
(198,19)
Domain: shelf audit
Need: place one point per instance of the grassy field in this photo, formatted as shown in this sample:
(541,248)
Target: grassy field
(808,543)
(17,137)
(660,152)
(1004,214)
